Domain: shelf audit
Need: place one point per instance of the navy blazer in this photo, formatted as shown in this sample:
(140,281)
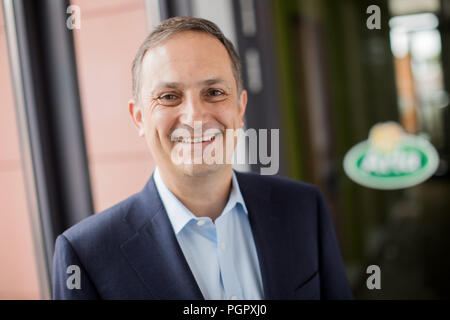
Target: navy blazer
(130,251)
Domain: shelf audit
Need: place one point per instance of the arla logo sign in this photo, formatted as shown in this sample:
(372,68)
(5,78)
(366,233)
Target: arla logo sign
(391,159)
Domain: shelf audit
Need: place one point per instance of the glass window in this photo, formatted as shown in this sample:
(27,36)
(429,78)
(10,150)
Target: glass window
(110,34)
(18,269)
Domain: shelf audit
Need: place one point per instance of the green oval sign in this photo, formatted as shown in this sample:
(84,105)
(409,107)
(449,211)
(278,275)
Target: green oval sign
(391,159)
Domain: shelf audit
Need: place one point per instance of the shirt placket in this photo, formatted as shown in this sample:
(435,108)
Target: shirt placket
(226,258)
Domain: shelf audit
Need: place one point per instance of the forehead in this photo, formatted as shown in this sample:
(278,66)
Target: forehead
(186,57)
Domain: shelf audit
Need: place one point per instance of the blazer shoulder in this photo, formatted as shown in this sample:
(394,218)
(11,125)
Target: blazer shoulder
(101,225)
(279,186)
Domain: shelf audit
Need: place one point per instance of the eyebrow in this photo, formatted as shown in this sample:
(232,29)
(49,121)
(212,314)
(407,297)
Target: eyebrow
(177,85)
(212,81)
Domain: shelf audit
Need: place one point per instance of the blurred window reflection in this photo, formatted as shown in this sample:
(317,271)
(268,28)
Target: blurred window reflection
(416,45)
(18,269)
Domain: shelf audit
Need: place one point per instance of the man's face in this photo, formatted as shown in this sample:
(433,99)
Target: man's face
(188,101)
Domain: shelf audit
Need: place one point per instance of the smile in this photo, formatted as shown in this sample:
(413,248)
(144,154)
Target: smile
(194,140)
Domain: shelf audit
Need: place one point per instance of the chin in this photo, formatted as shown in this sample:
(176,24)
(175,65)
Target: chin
(200,170)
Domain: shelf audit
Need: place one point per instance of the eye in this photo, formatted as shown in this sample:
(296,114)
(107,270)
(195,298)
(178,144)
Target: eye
(215,93)
(169,99)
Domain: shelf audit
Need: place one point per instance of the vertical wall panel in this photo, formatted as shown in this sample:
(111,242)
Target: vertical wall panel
(110,34)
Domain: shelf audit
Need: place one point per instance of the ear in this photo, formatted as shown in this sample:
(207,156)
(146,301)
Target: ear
(136,116)
(242,106)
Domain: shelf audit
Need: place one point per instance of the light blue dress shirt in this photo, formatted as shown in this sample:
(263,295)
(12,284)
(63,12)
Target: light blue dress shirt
(221,255)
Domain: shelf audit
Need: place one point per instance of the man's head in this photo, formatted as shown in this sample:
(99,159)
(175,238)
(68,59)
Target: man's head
(187,75)
(175,25)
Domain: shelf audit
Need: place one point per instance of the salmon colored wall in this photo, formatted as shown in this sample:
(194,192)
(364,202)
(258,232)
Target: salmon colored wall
(120,163)
(111,32)
(18,269)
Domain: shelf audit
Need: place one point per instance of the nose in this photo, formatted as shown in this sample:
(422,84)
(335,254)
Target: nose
(193,111)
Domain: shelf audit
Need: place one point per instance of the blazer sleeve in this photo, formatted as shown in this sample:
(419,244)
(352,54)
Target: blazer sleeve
(333,278)
(64,257)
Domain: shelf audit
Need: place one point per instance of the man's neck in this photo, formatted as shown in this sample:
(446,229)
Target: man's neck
(204,196)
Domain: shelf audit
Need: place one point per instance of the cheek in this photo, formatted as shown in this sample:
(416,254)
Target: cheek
(160,123)
(230,117)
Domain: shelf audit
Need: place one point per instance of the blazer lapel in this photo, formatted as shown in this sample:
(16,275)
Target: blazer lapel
(153,251)
(271,247)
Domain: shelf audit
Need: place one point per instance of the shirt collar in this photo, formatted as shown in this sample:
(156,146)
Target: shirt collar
(179,215)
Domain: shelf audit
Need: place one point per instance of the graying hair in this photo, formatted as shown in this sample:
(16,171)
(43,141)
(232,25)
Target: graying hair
(176,25)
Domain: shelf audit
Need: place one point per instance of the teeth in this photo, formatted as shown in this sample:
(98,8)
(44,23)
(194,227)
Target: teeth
(189,140)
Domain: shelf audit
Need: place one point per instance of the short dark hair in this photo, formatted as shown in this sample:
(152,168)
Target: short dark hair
(176,25)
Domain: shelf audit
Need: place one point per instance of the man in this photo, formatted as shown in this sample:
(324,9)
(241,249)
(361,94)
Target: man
(199,230)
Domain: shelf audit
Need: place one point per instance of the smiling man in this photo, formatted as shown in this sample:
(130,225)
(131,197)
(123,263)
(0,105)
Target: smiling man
(198,229)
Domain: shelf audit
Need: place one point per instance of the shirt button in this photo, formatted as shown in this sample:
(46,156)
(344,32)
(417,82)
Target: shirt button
(233,298)
(200,223)
(222,245)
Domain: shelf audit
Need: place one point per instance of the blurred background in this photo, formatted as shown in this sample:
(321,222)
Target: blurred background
(312,68)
